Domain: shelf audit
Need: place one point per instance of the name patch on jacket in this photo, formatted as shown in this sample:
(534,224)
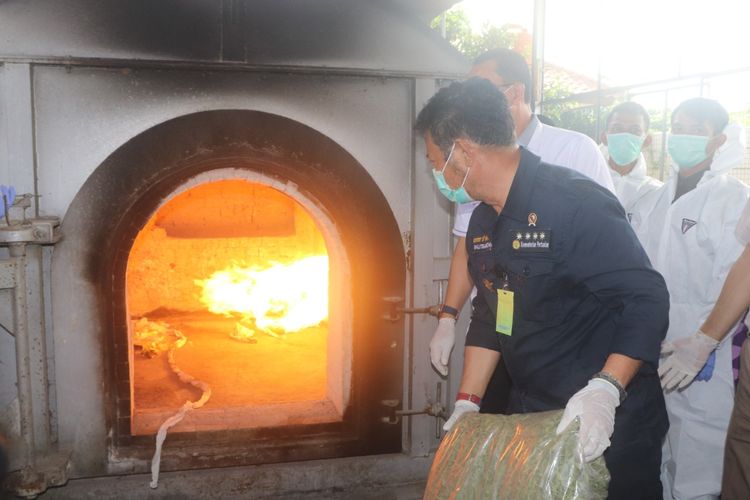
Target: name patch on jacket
(531,240)
(482,243)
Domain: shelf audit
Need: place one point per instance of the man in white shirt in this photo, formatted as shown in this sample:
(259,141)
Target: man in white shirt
(508,71)
(626,137)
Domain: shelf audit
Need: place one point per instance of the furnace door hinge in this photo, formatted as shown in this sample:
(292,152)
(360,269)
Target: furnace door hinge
(434,409)
(409,246)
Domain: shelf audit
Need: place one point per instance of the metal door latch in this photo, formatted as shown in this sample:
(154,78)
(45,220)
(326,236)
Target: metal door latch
(395,310)
(433,409)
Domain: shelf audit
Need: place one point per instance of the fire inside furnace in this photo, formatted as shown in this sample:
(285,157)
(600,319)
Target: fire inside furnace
(228,283)
(262,299)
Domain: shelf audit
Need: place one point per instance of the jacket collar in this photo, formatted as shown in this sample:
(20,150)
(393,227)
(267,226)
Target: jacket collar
(519,196)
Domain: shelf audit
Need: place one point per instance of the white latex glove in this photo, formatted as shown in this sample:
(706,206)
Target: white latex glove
(684,359)
(441,344)
(595,404)
(462,406)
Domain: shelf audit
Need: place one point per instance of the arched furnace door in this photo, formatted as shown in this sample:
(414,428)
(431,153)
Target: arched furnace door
(257,252)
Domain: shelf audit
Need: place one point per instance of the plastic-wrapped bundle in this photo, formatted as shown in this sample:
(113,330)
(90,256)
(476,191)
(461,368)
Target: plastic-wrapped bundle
(515,457)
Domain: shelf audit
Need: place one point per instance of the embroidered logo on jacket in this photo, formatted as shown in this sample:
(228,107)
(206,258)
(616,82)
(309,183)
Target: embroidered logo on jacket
(482,243)
(531,240)
(687,224)
(532,219)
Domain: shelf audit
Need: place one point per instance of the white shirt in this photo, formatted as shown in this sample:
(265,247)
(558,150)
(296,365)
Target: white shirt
(558,147)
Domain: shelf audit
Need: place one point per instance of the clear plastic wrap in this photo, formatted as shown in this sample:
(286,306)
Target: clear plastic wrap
(515,457)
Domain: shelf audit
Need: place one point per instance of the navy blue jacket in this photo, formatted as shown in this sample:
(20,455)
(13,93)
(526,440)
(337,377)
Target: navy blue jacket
(583,289)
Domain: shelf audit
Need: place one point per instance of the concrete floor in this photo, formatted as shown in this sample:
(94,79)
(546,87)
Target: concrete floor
(382,477)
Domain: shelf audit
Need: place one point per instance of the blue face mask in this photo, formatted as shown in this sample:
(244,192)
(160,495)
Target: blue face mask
(687,150)
(458,195)
(624,148)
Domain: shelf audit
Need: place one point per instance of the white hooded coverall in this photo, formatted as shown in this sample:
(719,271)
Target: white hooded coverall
(635,185)
(691,242)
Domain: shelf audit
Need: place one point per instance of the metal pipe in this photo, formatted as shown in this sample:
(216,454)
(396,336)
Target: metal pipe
(665,113)
(35,154)
(23,362)
(433,310)
(654,83)
(100,62)
(537,55)
(37,334)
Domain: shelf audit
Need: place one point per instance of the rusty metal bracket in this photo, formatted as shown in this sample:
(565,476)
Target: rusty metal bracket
(395,311)
(435,409)
(51,470)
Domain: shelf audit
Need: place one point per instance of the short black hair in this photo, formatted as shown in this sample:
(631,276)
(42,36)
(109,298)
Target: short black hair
(510,66)
(630,108)
(474,109)
(705,111)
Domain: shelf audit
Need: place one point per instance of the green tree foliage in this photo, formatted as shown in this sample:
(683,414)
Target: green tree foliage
(458,32)
(741,117)
(568,114)
(565,113)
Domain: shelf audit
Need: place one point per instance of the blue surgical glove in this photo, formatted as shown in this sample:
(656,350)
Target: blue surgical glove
(708,369)
(9,192)
(683,359)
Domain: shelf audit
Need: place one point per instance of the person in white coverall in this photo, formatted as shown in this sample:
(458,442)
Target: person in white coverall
(625,138)
(687,228)
(508,71)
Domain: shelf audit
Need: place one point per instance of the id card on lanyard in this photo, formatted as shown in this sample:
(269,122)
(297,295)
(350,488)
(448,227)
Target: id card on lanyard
(504,318)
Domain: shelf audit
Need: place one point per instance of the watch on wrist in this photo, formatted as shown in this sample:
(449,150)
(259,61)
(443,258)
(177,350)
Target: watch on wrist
(612,380)
(444,309)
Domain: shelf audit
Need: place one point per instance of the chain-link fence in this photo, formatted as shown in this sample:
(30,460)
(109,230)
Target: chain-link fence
(587,112)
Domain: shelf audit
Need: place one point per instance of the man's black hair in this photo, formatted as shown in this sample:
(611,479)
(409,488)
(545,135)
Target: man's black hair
(630,108)
(705,111)
(510,66)
(474,109)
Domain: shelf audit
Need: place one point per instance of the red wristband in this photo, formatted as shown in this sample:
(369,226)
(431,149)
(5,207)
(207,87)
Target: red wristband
(469,397)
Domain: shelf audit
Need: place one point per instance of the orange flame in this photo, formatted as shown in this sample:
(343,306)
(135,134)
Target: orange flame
(278,298)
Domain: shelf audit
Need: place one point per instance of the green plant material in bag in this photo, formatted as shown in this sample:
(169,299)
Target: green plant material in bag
(514,457)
